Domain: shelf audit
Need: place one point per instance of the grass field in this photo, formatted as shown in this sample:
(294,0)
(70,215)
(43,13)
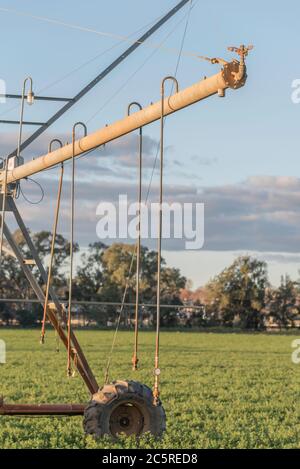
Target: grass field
(219,390)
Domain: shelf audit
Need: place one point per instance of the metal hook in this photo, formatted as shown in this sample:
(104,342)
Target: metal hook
(135,359)
(31,83)
(73,131)
(175,81)
(162,91)
(54,140)
(134,103)
(83,125)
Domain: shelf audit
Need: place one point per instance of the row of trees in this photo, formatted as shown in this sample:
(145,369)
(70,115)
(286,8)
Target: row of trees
(239,296)
(102,274)
(242,295)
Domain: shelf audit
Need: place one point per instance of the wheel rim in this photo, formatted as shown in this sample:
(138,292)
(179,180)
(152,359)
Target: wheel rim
(126,418)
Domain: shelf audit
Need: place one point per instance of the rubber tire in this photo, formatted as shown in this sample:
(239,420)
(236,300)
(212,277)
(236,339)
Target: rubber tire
(99,410)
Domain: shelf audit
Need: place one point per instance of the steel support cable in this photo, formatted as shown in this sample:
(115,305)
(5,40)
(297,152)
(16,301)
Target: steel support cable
(109,360)
(175,75)
(92,303)
(69,318)
(84,64)
(186,16)
(123,56)
(137,70)
(157,47)
(118,37)
(54,232)
(97,56)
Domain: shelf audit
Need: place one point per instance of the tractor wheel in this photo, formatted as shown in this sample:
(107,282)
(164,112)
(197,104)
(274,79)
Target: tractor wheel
(124,407)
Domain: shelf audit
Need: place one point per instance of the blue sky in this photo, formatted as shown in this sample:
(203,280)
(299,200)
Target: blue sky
(239,154)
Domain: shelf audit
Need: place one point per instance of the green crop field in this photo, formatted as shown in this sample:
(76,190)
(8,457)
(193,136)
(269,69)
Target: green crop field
(219,390)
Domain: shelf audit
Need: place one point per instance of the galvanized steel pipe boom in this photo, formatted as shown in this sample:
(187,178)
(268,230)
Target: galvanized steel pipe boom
(232,75)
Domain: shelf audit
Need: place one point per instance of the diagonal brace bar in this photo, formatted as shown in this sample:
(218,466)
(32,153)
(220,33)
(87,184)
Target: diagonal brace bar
(55,317)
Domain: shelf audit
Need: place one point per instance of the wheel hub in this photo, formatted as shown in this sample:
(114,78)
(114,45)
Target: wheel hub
(126,418)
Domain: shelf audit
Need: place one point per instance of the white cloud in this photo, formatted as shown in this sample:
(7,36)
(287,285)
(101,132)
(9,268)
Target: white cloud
(259,214)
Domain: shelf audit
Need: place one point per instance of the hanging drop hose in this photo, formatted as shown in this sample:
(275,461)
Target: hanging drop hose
(54,232)
(156,361)
(135,359)
(69,324)
(136,252)
(109,360)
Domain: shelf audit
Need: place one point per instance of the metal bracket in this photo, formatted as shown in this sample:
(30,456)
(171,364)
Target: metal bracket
(242,51)
(29,262)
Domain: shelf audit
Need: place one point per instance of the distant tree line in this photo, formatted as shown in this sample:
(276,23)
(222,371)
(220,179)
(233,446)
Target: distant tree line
(240,296)
(101,276)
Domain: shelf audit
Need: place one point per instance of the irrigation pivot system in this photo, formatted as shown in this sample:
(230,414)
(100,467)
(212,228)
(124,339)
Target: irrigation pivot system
(128,407)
